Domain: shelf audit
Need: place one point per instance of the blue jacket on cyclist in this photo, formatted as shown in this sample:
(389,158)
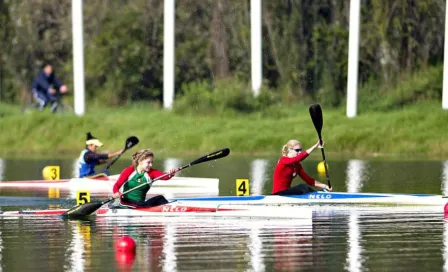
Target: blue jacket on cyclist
(46,88)
(88,158)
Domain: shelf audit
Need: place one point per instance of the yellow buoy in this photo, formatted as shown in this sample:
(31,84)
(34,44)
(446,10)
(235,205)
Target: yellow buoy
(321,167)
(51,172)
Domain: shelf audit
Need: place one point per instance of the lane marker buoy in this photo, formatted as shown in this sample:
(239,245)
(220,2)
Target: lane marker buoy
(125,244)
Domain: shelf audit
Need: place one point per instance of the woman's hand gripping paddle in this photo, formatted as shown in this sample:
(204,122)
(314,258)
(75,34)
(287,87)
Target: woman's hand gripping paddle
(130,142)
(316,116)
(89,208)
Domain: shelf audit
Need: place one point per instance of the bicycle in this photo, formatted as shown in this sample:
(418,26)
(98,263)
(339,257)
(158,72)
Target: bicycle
(58,106)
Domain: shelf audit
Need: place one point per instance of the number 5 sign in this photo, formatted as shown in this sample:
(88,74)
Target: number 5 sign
(242,187)
(82,197)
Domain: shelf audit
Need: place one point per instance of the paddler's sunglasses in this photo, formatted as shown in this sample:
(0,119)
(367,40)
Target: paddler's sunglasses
(296,149)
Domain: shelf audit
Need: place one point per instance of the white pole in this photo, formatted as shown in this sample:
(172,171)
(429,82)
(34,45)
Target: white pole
(353,47)
(256,53)
(445,64)
(168,53)
(78,57)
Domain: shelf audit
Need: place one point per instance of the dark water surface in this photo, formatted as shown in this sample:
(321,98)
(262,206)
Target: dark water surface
(333,239)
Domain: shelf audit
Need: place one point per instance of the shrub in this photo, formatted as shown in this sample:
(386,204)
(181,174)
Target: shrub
(229,95)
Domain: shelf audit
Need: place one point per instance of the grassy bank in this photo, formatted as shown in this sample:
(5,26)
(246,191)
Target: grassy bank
(416,129)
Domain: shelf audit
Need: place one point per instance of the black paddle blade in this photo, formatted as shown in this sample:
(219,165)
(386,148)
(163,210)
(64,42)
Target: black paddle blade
(316,116)
(212,156)
(82,210)
(131,141)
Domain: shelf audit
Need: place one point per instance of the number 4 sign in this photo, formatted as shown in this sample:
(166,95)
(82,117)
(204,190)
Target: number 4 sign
(242,187)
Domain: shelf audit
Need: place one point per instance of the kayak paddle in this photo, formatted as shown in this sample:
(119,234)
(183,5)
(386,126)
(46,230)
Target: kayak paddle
(130,142)
(316,116)
(89,208)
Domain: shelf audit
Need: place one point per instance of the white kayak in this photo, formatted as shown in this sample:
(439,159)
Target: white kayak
(182,210)
(176,185)
(322,197)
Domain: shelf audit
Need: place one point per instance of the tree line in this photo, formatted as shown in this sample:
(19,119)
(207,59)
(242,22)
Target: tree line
(305,45)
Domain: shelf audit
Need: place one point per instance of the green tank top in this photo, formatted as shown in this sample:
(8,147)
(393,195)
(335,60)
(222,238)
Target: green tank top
(140,193)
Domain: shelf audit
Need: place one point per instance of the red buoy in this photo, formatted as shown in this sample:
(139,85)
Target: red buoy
(124,260)
(446,210)
(125,244)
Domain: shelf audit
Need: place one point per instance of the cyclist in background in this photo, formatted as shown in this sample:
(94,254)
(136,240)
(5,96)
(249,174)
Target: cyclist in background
(46,88)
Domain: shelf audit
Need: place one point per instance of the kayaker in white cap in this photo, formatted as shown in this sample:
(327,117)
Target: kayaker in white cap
(89,158)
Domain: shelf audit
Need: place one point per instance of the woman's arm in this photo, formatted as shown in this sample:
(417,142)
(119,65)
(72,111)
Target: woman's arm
(154,173)
(90,157)
(312,182)
(309,180)
(121,180)
(309,150)
(300,157)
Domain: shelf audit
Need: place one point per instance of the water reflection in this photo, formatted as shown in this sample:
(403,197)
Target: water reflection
(355,175)
(171,163)
(354,183)
(75,168)
(444,178)
(354,254)
(168,164)
(444,186)
(1,251)
(255,248)
(169,249)
(75,253)
(445,245)
(292,245)
(205,244)
(258,176)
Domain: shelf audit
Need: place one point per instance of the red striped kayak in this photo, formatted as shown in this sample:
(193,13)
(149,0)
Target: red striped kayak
(176,185)
(182,210)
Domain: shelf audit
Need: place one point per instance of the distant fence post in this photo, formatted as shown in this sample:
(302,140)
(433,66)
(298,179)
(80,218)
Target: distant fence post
(256,46)
(445,64)
(353,48)
(1,81)
(168,53)
(78,57)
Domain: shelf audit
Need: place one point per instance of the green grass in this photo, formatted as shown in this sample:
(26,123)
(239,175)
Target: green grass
(401,118)
(417,129)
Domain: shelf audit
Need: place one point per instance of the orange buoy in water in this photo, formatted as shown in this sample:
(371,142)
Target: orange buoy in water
(125,244)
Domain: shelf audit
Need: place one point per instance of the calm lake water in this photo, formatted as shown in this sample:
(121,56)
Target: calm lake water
(332,239)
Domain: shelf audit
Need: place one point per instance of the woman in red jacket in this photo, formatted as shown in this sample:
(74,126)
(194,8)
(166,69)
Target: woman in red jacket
(288,167)
(140,172)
